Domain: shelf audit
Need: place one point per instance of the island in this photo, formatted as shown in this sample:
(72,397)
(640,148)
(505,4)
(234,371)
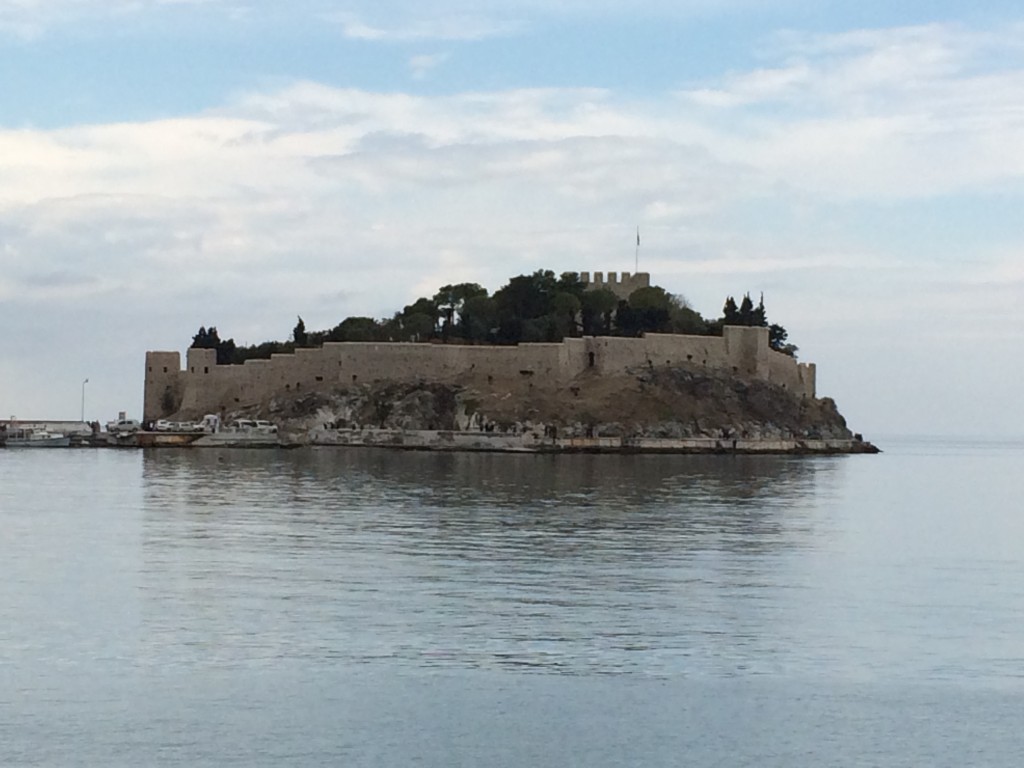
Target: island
(571,362)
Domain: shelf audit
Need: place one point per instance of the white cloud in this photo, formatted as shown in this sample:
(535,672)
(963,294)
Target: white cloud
(877,114)
(423,64)
(459,27)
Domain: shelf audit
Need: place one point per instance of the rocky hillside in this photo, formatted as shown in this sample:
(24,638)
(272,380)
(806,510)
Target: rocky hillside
(675,402)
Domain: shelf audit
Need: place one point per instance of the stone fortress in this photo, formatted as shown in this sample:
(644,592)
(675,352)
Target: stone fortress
(205,387)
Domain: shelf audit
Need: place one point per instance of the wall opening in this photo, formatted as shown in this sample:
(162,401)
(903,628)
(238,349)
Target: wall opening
(591,359)
(206,369)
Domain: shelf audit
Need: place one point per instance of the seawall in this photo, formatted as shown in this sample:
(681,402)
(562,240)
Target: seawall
(535,442)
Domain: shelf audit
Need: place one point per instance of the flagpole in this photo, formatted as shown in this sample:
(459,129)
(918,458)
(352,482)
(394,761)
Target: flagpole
(636,256)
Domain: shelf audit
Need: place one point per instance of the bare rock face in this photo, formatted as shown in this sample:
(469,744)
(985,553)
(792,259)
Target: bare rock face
(670,402)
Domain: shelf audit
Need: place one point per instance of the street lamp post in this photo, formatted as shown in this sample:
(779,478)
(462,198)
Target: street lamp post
(83,399)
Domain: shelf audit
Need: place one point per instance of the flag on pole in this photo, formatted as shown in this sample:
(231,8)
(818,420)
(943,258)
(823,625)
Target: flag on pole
(636,255)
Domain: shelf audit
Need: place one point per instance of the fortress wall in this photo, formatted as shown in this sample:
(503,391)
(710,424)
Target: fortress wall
(205,387)
(747,349)
(212,388)
(203,393)
(229,385)
(300,370)
(544,361)
(573,358)
(407,361)
(615,353)
(255,379)
(785,371)
(672,349)
(399,361)
(540,360)
(809,377)
(496,362)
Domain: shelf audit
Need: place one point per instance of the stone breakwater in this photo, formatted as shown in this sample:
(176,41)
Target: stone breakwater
(547,441)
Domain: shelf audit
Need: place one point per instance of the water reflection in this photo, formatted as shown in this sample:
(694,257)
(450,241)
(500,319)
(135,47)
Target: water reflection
(579,563)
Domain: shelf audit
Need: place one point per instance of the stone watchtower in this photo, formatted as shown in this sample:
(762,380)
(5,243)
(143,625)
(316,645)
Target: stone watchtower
(621,285)
(164,385)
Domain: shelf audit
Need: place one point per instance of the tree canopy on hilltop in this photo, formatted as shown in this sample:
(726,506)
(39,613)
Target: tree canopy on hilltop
(538,307)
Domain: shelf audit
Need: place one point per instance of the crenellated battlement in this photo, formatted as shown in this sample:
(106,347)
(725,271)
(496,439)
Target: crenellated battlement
(622,285)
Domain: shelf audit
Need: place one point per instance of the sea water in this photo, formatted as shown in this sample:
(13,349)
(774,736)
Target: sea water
(376,608)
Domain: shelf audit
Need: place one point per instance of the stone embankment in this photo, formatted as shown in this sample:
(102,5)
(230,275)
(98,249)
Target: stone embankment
(535,442)
(681,409)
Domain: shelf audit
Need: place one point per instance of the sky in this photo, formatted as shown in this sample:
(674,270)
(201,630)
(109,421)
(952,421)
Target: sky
(167,164)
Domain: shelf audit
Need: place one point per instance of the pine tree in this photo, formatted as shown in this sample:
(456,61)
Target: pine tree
(730,313)
(299,335)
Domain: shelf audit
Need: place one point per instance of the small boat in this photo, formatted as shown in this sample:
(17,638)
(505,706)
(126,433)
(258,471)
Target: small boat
(36,438)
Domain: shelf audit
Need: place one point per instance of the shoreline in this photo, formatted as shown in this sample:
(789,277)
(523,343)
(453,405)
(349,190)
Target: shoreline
(490,442)
(532,442)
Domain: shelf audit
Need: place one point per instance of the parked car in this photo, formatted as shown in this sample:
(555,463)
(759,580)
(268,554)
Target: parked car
(122,426)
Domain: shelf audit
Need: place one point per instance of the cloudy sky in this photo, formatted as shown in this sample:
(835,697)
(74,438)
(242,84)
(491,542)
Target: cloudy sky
(167,164)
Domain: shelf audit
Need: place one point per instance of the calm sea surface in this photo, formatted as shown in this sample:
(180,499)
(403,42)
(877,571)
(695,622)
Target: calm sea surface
(345,607)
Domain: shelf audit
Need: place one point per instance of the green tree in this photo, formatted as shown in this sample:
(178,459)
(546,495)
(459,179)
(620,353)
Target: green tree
(652,297)
(521,303)
(596,310)
(683,319)
(570,282)
(427,308)
(477,318)
(730,312)
(746,313)
(449,300)
(355,329)
(759,317)
(299,335)
(777,340)
(206,338)
(418,326)
(565,307)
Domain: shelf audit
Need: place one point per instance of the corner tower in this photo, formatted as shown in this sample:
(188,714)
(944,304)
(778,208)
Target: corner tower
(163,388)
